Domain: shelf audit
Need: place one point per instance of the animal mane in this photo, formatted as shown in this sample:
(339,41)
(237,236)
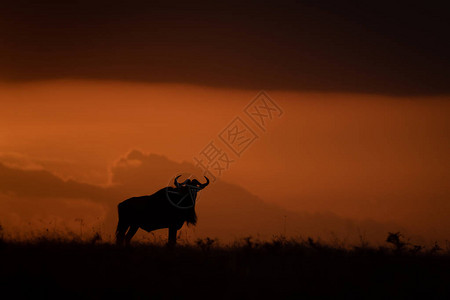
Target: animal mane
(191,217)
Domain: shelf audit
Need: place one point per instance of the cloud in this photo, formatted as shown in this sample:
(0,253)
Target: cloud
(19,161)
(323,46)
(42,183)
(139,172)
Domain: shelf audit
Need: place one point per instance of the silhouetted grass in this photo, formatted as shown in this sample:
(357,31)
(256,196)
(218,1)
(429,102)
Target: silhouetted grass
(281,268)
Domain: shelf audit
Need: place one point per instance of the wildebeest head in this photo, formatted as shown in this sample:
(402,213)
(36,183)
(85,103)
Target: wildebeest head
(185,193)
(185,196)
(192,184)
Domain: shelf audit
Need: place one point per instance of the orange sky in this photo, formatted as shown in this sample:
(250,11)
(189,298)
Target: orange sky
(354,155)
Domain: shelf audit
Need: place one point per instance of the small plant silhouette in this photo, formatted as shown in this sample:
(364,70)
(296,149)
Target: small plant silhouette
(205,244)
(396,240)
(97,238)
(436,248)
(416,249)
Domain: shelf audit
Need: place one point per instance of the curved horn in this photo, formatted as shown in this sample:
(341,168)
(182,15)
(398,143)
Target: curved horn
(177,184)
(203,185)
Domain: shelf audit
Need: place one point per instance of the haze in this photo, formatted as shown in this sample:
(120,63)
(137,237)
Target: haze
(356,156)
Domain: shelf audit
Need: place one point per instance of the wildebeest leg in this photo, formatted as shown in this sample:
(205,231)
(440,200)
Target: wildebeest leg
(172,236)
(131,232)
(120,231)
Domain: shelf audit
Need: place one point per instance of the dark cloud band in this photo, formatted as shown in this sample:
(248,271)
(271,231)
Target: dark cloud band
(358,47)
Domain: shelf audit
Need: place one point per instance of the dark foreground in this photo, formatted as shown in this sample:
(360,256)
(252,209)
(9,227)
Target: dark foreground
(279,269)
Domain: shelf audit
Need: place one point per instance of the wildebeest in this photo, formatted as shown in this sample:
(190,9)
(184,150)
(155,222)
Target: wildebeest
(167,208)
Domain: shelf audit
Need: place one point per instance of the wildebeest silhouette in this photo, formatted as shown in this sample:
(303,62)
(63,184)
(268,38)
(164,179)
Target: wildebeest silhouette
(167,208)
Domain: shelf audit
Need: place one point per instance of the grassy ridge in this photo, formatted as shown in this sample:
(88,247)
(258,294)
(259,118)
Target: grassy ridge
(276,269)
